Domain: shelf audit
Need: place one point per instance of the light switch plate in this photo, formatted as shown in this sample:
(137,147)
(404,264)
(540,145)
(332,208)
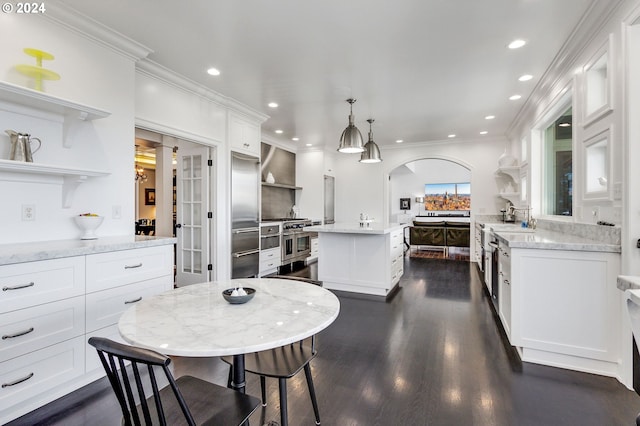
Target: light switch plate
(617,191)
(28,212)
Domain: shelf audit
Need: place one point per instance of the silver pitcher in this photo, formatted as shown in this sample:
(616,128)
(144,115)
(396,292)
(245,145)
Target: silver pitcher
(21,146)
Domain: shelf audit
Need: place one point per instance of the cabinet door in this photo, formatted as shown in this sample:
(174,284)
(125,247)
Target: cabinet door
(32,283)
(33,328)
(244,136)
(105,307)
(113,269)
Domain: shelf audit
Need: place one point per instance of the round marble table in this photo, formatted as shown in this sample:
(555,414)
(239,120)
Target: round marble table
(196,321)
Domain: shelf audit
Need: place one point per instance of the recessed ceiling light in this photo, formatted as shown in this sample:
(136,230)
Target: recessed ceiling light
(399,141)
(525,77)
(514,97)
(490,117)
(515,44)
(295,139)
(484,132)
(309,144)
(278,131)
(213,71)
(564,125)
(451,135)
(272,105)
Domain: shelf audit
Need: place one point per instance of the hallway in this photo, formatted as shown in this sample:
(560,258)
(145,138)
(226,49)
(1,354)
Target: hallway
(433,355)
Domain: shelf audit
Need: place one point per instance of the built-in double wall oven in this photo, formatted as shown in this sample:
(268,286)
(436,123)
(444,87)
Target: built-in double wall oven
(269,236)
(296,242)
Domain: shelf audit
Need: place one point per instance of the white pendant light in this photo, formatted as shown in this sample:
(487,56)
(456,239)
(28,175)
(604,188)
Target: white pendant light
(351,139)
(371,153)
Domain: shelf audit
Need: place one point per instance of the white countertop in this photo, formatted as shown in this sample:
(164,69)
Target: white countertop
(44,250)
(628,282)
(550,240)
(464,219)
(355,228)
(196,320)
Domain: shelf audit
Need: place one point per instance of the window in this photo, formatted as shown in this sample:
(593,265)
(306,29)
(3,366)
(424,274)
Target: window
(557,167)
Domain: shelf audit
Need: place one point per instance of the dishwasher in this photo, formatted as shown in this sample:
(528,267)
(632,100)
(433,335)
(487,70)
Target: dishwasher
(495,284)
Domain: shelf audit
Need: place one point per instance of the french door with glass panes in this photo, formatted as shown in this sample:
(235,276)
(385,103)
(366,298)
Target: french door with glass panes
(192,226)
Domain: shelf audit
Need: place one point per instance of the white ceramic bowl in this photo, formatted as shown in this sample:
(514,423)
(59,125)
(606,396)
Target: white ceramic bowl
(88,226)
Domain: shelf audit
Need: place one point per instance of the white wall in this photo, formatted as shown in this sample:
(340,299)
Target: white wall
(407,181)
(105,80)
(365,188)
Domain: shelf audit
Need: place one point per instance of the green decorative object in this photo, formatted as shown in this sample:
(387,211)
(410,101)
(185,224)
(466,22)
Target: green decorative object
(37,72)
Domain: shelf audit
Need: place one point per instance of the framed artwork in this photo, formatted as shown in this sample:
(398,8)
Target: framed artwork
(405,203)
(150,196)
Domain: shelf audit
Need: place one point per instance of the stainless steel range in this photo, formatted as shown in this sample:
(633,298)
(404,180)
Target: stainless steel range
(296,242)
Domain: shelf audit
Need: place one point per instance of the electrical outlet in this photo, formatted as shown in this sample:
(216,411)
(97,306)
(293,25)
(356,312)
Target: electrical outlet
(116,212)
(595,212)
(28,212)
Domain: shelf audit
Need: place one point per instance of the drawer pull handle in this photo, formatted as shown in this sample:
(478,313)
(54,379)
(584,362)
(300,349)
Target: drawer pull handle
(18,287)
(139,265)
(15,382)
(127,302)
(21,333)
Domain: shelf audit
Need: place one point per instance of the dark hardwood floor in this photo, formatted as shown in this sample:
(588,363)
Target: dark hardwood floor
(432,355)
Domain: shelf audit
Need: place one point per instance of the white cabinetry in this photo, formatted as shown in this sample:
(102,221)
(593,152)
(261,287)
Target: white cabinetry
(561,307)
(358,261)
(504,285)
(270,261)
(478,245)
(397,255)
(48,310)
(244,135)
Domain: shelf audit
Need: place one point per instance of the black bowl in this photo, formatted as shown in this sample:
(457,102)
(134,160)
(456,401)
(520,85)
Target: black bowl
(237,300)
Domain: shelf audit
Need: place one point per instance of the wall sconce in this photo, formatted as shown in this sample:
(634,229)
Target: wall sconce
(419,202)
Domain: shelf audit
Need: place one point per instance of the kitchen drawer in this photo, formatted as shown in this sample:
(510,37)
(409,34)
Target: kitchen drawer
(44,371)
(34,283)
(33,328)
(273,255)
(105,307)
(268,265)
(113,269)
(92,360)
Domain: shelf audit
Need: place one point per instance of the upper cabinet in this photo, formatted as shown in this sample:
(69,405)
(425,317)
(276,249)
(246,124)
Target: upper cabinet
(598,84)
(244,135)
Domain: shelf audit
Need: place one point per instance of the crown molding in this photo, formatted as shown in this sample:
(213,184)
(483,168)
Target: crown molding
(69,18)
(160,72)
(560,71)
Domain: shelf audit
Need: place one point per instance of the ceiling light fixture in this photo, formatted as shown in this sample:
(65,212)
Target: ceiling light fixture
(351,139)
(371,153)
(525,77)
(213,71)
(309,144)
(451,135)
(484,132)
(399,141)
(514,97)
(272,105)
(490,117)
(516,44)
(278,131)
(295,139)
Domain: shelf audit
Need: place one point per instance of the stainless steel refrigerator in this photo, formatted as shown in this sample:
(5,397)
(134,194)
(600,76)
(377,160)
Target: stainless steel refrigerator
(245,230)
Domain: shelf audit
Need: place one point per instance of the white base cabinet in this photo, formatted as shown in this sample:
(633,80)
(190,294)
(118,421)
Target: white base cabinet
(561,308)
(49,309)
(361,263)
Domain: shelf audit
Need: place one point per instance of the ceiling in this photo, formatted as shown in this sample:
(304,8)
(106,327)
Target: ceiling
(423,69)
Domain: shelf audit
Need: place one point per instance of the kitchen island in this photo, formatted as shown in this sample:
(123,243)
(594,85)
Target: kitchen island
(360,259)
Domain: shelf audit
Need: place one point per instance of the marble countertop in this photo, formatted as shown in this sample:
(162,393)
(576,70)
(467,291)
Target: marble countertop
(628,282)
(44,250)
(355,228)
(550,240)
(196,321)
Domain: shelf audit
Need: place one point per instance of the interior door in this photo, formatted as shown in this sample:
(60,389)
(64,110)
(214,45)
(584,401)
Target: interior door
(192,226)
